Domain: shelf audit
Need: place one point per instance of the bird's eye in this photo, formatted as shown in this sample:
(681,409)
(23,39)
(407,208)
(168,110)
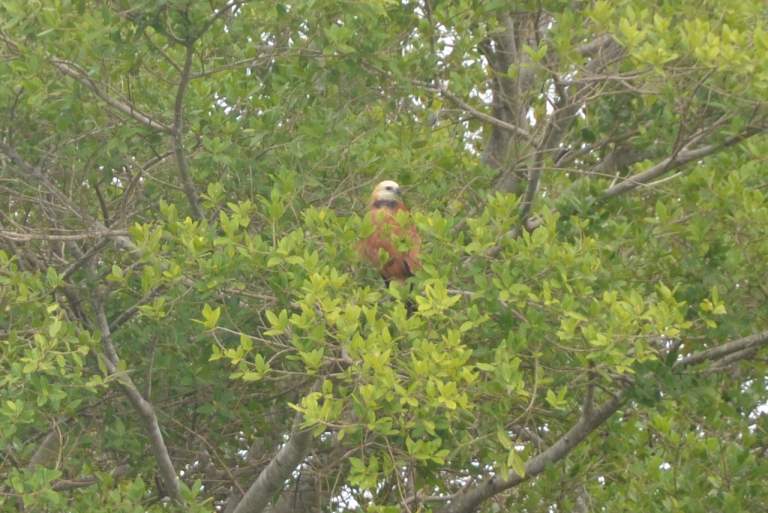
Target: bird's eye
(389,187)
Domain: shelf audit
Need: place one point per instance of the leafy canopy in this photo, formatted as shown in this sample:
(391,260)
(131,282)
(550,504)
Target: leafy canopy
(185,322)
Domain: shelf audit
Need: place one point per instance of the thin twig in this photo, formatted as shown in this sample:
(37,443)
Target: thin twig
(128,314)
(483,116)
(72,70)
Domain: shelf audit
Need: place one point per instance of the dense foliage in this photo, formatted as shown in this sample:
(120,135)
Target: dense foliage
(185,323)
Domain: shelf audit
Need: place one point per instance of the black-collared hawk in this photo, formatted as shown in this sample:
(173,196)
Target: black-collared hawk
(393,247)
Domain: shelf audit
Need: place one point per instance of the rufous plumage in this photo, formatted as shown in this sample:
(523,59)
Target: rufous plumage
(393,247)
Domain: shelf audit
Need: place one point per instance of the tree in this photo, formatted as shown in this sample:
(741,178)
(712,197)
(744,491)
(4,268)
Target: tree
(185,322)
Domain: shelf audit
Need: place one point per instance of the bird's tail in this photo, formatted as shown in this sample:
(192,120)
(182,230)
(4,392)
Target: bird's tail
(410,304)
(410,307)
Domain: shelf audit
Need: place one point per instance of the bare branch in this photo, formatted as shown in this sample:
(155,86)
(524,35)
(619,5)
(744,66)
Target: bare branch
(178,136)
(74,71)
(65,485)
(12,113)
(621,157)
(162,52)
(102,205)
(556,128)
(566,108)
(32,171)
(582,500)
(589,397)
(25,237)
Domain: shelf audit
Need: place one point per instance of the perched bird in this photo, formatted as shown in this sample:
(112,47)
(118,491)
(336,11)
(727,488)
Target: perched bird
(394,245)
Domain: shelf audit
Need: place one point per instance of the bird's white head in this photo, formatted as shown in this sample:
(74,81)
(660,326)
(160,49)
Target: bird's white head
(386,191)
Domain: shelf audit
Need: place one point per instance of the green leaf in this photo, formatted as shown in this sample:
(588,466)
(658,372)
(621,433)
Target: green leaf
(516,463)
(211,316)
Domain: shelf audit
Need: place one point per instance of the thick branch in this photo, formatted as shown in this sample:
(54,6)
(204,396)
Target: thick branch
(723,350)
(272,478)
(142,406)
(674,162)
(619,158)
(469,500)
(178,135)
(72,70)
(732,358)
